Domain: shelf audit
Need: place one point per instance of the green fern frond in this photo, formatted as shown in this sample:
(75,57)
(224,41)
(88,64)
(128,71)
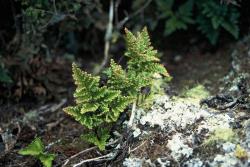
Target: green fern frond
(141,54)
(118,79)
(95,105)
(37,149)
(47,159)
(84,80)
(89,120)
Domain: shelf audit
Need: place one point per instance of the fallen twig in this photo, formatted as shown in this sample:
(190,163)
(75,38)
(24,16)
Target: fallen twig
(84,151)
(137,147)
(52,108)
(75,155)
(53,143)
(101,158)
(54,124)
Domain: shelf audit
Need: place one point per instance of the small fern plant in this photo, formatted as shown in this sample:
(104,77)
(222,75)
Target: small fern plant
(37,149)
(97,107)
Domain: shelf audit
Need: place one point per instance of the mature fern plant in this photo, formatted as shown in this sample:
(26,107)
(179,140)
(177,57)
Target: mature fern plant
(95,106)
(99,106)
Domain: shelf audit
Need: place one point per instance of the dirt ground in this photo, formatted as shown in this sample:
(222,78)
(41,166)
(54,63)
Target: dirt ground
(21,122)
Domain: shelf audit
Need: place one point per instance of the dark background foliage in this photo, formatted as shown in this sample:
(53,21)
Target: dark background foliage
(40,38)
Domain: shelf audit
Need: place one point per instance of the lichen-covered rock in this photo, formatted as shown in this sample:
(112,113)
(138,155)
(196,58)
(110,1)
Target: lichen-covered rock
(195,135)
(241,56)
(215,133)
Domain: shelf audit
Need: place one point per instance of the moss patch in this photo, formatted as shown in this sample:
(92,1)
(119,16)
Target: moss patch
(222,135)
(240,152)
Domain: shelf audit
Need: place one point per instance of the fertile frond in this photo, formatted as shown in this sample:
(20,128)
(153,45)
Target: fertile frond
(139,47)
(117,78)
(129,83)
(143,61)
(118,106)
(142,55)
(83,79)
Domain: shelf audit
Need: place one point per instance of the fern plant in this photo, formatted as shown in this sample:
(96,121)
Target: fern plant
(99,106)
(211,17)
(37,149)
(214,17)
(176,20)
(95,106)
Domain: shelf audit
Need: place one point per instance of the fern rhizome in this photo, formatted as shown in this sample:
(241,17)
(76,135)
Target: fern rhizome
(97,107)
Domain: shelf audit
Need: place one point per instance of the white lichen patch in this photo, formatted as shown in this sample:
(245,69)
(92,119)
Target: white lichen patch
(136,132)
(178,148)
(172,115)
(133,162)
(228,147)
(196,162)
(214,121)
(247,133)
(227,160)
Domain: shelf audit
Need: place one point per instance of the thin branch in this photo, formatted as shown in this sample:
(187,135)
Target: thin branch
(108,36)
(75,155)
(101,158)
(121,23)
(53,143)
(109,30)
(137,147)
(84,151)
(54,6)
(117,3)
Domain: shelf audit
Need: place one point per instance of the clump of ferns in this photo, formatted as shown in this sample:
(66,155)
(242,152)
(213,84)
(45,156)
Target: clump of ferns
(98,107)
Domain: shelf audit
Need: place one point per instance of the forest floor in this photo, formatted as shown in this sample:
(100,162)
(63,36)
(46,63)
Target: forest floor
(20,123)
